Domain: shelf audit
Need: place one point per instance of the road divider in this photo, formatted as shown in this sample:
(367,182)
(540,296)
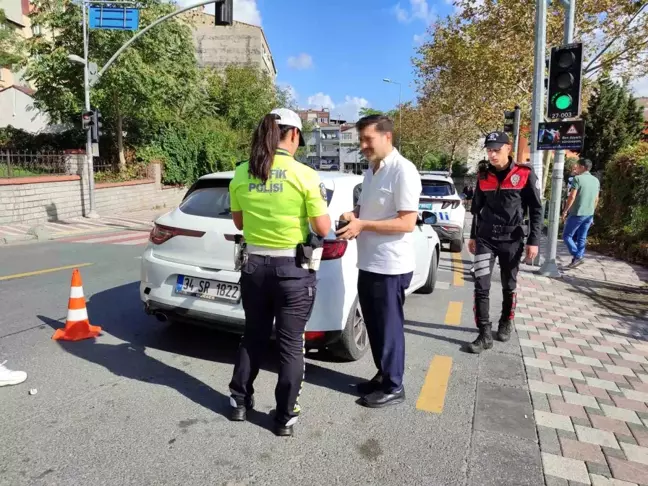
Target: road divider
(453,314)
(44,271)
(457,270)
(433,393)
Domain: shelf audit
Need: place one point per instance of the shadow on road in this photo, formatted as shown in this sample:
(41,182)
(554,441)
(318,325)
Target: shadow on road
(120,313)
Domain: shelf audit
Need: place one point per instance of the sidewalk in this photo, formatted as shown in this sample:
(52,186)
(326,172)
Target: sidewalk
(133,221)
(584,339)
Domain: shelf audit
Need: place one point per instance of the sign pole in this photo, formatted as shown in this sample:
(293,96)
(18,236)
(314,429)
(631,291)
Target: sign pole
(549,267)
(86,88)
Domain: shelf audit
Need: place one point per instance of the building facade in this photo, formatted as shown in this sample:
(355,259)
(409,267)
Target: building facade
(240,44)
(16,95)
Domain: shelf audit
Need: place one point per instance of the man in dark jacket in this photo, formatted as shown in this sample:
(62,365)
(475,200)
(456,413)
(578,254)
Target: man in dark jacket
(504,191)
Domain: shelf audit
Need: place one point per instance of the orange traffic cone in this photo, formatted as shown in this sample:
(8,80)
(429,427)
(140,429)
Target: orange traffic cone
(77,324)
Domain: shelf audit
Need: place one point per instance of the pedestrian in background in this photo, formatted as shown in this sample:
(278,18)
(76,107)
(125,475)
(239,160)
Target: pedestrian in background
(579,210)
(504,191)
(273,200)
(383,222)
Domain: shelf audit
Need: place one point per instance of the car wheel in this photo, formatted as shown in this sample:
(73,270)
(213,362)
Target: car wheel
(456,246)
(354,342)
(430,283)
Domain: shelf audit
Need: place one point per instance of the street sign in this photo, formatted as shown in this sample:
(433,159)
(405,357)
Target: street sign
(113,18)
(565,135)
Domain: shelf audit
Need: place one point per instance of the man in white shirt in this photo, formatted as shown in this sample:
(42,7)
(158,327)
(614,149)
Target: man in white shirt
(383,222)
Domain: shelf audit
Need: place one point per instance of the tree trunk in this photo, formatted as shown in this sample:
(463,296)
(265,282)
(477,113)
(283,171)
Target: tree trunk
(120,135)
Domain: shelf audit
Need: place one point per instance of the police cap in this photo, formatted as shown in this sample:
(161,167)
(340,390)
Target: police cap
(496,140)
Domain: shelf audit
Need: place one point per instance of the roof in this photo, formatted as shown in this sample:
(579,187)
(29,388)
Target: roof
(23,89)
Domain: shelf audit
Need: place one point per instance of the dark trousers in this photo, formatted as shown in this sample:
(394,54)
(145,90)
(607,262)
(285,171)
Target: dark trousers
(509,254)
(274,289)
(381,299)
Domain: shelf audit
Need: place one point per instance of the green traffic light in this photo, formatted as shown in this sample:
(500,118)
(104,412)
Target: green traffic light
(563,102)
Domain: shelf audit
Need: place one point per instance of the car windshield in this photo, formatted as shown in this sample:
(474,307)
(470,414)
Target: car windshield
(209,198)
(437,189)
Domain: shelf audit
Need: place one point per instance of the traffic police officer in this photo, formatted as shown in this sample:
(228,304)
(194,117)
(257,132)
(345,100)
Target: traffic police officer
(505,191)
(273,200)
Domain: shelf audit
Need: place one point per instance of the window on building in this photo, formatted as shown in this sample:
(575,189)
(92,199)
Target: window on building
(323,120)
(36,30)
(347,136)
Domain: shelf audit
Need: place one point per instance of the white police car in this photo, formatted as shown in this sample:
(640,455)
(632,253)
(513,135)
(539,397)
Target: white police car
(440,197)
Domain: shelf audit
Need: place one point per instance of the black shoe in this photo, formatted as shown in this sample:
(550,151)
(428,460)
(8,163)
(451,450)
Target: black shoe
(379,398)
(370,386)
(283,430)
(504,330)
(576,262)
(239,413)
(483,341)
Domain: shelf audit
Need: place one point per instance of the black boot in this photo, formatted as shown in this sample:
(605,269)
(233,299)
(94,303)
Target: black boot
(240,408)
(483,341)
(504,330)
(283,430)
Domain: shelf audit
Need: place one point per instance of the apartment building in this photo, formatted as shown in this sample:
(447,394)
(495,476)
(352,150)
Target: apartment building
(221,46)
(16,101)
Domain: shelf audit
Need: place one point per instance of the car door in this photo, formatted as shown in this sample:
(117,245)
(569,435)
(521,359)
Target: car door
(422,256)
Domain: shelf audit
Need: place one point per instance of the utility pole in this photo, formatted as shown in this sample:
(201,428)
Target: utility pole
(537,113)
(549,267)
(400,111)
(86,88)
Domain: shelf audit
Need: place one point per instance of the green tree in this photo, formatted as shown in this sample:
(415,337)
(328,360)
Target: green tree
(155,82)
(11,46)
(613,121)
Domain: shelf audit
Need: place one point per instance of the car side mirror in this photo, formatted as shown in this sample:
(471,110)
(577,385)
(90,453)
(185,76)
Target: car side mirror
(429,217)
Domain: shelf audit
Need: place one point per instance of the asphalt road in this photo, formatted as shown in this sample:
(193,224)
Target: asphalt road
(147,404)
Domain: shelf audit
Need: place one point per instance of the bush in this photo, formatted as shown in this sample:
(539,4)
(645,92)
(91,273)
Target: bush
(622,218)
(17,139)
(189,152)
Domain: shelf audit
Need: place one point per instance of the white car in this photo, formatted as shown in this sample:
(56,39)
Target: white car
(188,266)
(440,197)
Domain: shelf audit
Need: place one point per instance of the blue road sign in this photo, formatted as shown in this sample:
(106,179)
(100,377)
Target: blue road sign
(114,18)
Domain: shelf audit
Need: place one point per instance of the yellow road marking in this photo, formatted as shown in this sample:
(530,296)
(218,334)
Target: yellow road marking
(453,314)
(457,270)
(41,272)
(432,396)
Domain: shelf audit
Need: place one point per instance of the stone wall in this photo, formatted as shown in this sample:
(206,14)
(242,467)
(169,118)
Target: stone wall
(53,198)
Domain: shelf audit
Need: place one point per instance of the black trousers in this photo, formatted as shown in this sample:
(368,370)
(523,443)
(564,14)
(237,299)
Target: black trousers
(509,254)
(381,299)
(274,289)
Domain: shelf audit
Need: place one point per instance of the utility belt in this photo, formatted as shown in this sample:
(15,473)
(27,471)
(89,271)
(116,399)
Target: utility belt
(498,232)
(306,255)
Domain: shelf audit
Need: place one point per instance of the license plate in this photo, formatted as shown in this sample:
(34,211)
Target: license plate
(425,206)
(208,289)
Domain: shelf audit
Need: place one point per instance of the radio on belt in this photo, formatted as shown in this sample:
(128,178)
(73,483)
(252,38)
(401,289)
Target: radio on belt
(309,254)
(240,252)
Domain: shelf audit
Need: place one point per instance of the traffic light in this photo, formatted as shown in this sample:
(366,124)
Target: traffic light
(509,121)
(96,126)
(87,120)
(224,12)
(565,74)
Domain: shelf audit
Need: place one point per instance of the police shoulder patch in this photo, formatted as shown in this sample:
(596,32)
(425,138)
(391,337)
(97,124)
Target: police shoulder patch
(322,190)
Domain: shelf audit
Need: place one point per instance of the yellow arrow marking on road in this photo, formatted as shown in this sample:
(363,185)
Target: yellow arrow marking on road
(41,272)
(433,393)
(453,314)
(458,269)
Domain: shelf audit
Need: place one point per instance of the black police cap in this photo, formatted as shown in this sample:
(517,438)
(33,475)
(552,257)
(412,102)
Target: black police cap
(496,140)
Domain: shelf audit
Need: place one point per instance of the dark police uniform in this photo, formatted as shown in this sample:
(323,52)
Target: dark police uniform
(499,205)
(274,287)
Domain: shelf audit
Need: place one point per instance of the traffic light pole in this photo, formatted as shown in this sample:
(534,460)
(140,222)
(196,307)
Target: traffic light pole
(537,113)
(86,88)
(549,267)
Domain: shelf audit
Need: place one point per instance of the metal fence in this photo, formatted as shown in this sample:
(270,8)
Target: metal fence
(105,172)
(15,164)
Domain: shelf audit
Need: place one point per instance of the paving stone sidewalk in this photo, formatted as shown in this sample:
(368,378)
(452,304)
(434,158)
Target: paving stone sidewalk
(584,338)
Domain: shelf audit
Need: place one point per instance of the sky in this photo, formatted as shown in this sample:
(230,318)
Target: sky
(336,53)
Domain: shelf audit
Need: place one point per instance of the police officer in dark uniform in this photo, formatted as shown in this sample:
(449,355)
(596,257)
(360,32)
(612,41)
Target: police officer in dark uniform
(274,198)
(505,191)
